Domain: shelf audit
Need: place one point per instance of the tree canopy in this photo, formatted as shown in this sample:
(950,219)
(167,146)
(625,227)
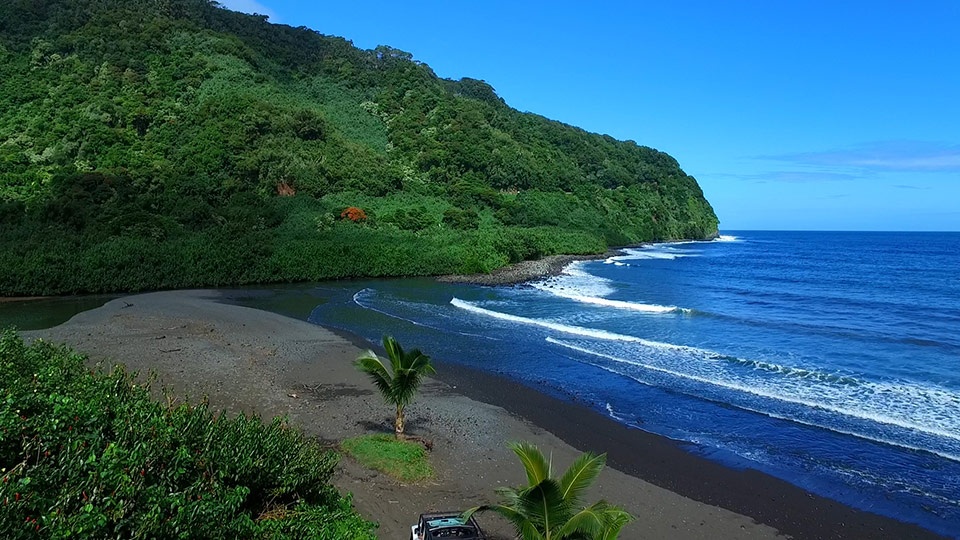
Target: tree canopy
(169,143)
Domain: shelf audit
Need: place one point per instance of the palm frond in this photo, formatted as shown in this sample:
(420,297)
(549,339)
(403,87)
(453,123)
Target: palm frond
(529,532)
(617,518)
(534,464)
(580,475)
(543,505)
(600,520)
(547,508)
(507,512)
(394,353)
(373,366)
(583,524)
(509,496)
(421,363)
(405,385)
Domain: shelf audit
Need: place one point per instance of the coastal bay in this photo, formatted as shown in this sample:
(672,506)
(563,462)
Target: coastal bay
(296,184)
(257,362)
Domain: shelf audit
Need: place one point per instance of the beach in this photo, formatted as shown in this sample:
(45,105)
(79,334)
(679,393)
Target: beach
(245,360)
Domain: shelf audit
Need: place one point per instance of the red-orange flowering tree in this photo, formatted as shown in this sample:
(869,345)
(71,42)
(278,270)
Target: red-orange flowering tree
(354,214)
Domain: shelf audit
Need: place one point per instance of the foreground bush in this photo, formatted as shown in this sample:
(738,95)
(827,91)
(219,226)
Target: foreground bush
(92,455)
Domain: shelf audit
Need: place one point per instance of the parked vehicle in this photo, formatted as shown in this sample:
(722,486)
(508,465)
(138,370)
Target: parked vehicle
(445,525)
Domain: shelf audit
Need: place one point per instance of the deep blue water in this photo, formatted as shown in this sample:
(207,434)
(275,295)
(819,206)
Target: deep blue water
(831,360)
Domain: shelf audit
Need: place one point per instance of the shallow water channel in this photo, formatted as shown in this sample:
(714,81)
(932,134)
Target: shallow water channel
(39,313)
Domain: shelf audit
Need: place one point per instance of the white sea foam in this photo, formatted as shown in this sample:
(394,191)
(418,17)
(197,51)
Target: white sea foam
(702,355)
(575,280)
(612,414)
(656,251)
(574,283)
(636,254)
(559,327)
(922,409)
(579,330)
(726,238)
(926,410)
(360,297)
(607,302)
(835,429)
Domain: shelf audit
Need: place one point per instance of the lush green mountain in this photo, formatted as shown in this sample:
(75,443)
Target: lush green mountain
(171,143)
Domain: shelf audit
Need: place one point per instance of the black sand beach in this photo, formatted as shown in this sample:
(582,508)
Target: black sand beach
(259,362)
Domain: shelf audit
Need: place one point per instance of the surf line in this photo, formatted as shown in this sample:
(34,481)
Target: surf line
(559,327)
(792,400)
(619,304)
(365,292)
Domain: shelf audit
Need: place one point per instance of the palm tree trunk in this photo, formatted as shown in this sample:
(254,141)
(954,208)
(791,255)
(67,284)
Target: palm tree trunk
(398,425)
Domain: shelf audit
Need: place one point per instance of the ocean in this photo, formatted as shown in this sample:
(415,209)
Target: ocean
(828,359)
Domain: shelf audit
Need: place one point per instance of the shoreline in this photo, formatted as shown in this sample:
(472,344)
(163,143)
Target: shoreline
(666,463)
(524,271)
(739,491)
(548,266)
(277,365)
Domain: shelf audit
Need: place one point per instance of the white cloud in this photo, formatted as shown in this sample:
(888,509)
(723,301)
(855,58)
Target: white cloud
(793,177)
(885,156)
(249,6)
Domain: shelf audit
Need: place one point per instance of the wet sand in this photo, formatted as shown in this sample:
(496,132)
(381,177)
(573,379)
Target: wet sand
(252,361)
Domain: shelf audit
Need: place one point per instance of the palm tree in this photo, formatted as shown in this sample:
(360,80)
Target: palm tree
(397,381)
(550,508)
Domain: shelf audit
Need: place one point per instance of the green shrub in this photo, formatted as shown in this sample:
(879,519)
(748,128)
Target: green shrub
(92,455)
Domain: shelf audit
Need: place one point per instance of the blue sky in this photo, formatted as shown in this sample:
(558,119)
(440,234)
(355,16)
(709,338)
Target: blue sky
(791,114)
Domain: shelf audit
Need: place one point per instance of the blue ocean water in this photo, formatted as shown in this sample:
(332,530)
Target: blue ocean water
(831,360)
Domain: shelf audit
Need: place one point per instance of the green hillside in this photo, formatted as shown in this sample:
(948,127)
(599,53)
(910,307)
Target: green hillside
(150,144)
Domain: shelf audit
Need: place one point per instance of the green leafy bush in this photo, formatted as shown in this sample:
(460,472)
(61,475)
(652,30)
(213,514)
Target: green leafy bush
(92,455)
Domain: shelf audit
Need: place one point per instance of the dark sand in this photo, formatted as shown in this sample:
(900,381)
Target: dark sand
(258,362)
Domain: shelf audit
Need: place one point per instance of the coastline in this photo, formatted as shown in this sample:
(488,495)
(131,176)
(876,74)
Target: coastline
(767,499)
(523,271)
(550,265)
(253,361)
(672,465)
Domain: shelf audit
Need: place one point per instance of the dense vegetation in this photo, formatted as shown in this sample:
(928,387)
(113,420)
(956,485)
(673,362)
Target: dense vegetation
(93,456)
(169,143)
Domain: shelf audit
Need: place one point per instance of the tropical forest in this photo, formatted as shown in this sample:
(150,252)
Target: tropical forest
(157,144)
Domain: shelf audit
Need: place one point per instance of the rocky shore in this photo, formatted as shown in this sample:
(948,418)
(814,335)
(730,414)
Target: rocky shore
(550,265)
